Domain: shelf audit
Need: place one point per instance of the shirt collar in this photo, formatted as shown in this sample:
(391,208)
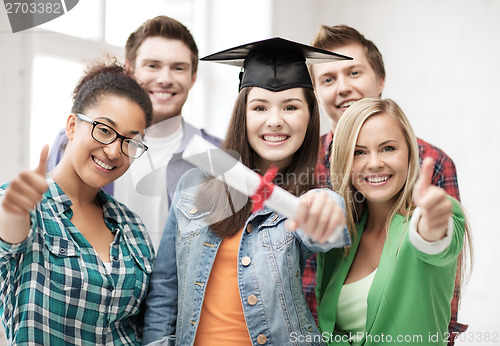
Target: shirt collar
(56,198)
(60,203)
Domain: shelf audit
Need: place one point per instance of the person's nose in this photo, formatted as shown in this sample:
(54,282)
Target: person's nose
(275,119)
(375,162)
(114,150)
(164,76)
(343,85)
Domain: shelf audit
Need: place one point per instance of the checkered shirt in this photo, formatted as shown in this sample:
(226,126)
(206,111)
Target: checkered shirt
(444,176)
(55,290)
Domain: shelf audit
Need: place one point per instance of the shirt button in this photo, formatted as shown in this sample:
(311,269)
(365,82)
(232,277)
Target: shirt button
(110,288)
(246,261)
(62,250)
(193,211)
(261,339)
(115,258)
(252,300)
(249,228)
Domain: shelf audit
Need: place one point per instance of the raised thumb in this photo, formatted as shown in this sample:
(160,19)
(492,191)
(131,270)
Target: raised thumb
(42,164)
(424,179)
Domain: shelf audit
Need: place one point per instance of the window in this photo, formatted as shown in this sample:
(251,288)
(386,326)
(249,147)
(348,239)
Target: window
(82,21)
(50,106)
(62,47)
(124,16)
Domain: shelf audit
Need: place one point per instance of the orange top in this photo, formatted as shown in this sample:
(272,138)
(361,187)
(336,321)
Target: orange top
(222,321)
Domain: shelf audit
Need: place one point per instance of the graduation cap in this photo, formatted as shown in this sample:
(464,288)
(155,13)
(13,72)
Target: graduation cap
(274,64)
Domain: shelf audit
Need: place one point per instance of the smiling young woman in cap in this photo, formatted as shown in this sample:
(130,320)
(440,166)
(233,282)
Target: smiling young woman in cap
(226,275)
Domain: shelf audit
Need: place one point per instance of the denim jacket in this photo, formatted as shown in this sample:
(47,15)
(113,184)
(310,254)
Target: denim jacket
(182,269)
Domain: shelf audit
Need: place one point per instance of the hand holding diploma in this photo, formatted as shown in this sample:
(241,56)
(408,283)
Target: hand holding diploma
(316,213)
(319,216)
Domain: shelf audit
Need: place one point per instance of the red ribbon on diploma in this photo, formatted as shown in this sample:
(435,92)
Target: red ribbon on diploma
(264,190)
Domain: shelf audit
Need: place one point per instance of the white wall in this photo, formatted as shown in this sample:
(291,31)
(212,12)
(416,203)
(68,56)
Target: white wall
(442,64)
(442,67)
(14,91)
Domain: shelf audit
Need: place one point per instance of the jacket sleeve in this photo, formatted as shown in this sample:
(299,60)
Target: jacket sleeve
(341,240)
(450,253)
(161,302)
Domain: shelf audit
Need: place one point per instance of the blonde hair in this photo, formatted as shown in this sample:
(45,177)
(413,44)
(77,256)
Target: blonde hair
(344,143)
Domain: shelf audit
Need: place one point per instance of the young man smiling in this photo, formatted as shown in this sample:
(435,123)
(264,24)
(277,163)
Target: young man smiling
(337,86)
(163,57)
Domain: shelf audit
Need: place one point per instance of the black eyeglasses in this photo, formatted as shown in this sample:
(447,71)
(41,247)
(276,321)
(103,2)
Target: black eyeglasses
(105,134)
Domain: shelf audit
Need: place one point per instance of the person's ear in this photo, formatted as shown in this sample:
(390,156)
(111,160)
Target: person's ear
(129,67)
(381,84)
(71,126)
(193,78)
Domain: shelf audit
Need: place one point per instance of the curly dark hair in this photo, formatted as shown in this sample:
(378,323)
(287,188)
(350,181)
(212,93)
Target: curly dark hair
(109,77)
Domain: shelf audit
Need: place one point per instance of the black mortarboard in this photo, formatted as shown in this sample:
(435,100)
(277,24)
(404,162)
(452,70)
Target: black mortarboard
(274,64)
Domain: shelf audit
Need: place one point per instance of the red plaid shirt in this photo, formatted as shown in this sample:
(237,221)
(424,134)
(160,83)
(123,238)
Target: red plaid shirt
(445,176)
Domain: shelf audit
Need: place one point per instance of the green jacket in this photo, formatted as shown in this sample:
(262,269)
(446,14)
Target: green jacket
(409,300)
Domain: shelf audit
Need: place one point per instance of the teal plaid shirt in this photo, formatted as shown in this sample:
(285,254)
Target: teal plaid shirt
(55,290)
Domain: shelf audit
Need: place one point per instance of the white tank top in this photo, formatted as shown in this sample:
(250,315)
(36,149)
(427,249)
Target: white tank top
(352,307)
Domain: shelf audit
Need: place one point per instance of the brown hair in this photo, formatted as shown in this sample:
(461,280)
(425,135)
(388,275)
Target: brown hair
(225,222)
(331,37)
(161,26)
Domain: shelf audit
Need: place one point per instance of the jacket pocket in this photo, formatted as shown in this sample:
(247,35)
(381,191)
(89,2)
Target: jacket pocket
(276,238)
(190,220)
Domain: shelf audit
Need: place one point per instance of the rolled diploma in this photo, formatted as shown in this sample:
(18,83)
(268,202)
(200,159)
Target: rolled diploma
(232,172)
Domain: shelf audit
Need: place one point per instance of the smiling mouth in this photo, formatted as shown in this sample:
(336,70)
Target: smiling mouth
(375,180)
(346,104)
(102,164)
(275,139)
(161,94)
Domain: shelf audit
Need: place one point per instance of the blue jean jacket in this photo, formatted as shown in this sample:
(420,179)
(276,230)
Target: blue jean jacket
(184,261)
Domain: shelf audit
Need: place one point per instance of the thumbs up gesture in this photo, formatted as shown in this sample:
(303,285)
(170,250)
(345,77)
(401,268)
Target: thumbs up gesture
(27,188)
(22,194)
(434,205)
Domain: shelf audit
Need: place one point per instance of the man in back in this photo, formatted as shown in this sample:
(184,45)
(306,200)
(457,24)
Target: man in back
(162,55)
(340,84)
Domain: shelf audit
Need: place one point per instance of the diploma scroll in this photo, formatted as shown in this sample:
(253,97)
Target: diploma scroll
(235,174)
(232,172)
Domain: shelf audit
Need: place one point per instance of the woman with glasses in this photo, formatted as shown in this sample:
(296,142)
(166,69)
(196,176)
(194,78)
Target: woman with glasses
(75,263)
